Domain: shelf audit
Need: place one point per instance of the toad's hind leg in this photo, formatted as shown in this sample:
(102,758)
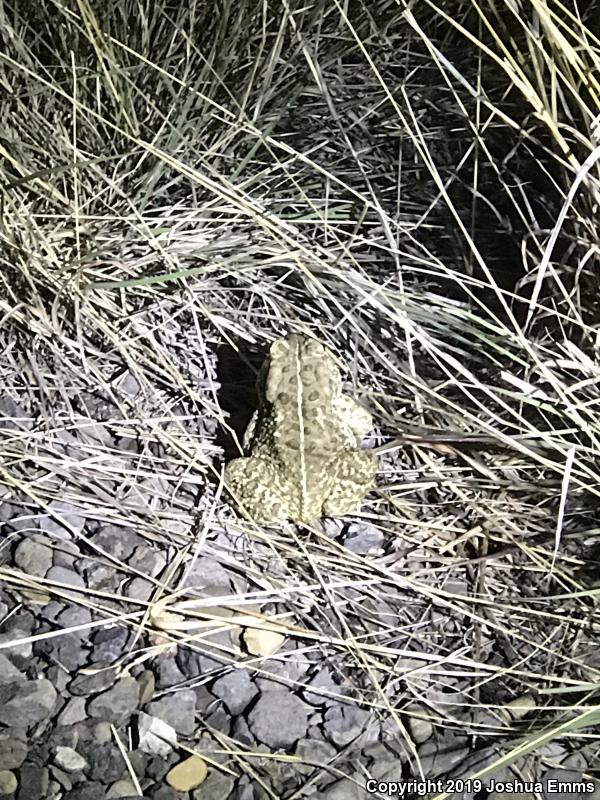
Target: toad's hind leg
(354,476)
(258,488)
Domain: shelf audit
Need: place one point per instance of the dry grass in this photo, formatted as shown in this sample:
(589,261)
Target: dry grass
(417,190)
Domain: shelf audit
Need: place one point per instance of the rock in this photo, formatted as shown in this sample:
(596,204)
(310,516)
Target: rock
(167,793)
(27,702)
(106,762)
(34,555)
(363,539)
(177,710)
(572,783)
(8,672)
(70,649)
(8,782)
(420,729)
(103,733)
(90,790)
(236,690)
(96,680)
(344,722)
(158,767)
(101,577)
(290,712)
(128,384)
(147,684)
(155,736)
(147,561)
(118,703)
(188,774)
(323,679)
(193,664)
(13,747)
(68,759)
(73,712)
(122,789)
(62,777)
(439,755)
(33,782)
(245,791)
(205,701)
(17,634)
(13,416)
(110,644)
(262,642)
(66,576)
(139,589)
(167,672)
(139,763)
(315,754)
(72,515)
(119,542)
(66,553)
(207,572)
(241,732)
(216,785)
(518,707)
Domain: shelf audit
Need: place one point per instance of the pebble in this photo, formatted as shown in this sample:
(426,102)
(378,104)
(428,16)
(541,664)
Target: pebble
(188,774)
(364,539)
(207,571)
(177,710)
(236,690)
(13,416)
(73,712)
(118,703)
(420,729)
(440,756)
(102,732)
(313,751)
(8,672)
(155,736)
(29,702)
(216,785)
(16,634)
(122,789)
(90,790)
(568,778)
(323,679)
(69,759)
(8,782)
(261,642)
(34,555)
(33,782)
(139,589)
(344,722)
(110,643)
(106,762)
(116,540)
(147,684)
(72,515)
(290,712)
(66,576)
(518,707)
(97,680)
(13,747)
